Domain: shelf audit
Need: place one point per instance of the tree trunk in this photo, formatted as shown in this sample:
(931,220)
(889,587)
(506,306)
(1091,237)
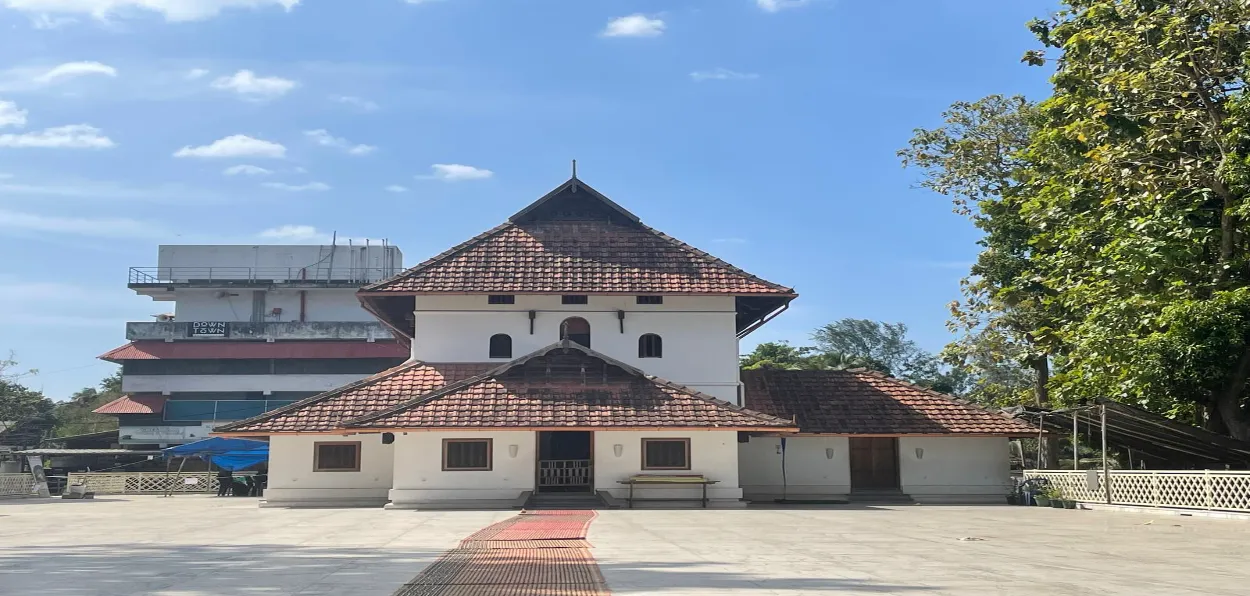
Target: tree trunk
(1213,421)
(1041,378)
(1228,403)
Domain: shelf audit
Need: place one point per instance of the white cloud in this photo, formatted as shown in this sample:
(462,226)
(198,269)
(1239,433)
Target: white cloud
(247,84)
(454,172)
(359,103)
(235,146)
(293,233)
(391,188)
(11,115)
(721,74)
(777,5)
(172,10)
(634,25)
(729,240)
(72,136)
(323,137)
(75,69)
(196,73)
(311,186)
(245,170)
(106,227)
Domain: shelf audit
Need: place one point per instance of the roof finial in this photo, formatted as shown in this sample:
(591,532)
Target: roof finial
(575,169)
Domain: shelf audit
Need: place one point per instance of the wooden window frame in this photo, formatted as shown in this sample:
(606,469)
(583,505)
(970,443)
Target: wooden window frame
(644,453)
(648,300)
(317,456)
(501,299)
(642,342)
(490,455)
(575,299)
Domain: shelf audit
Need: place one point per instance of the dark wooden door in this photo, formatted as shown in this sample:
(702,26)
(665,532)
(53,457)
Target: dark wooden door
(874,463)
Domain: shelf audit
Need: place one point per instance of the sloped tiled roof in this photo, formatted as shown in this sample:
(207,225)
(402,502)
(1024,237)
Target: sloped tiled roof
(603,250)
(866,403)
(134,404)
(327,411)
(567,386)
(205,349)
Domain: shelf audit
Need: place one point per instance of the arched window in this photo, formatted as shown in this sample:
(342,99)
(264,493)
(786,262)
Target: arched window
(650,346)
(576,329)
(501,346)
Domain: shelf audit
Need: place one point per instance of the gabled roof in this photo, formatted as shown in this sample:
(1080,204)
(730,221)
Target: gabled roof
(574,240)
(213,349)
(327,411)
(133,404)
(859,402)
(566,385)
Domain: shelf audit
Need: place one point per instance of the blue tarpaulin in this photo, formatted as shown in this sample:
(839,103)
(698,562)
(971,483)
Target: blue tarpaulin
(230,454)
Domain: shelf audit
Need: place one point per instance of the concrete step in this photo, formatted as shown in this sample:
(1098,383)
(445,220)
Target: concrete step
(884,497)
(564,501)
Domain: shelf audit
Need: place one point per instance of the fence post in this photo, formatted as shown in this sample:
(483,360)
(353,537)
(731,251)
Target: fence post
(1154,489)
(1106,472)
(1208,490)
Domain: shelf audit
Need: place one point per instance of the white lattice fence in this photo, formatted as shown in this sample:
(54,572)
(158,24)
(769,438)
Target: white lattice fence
(137,483)
(1223,491)
(17,485)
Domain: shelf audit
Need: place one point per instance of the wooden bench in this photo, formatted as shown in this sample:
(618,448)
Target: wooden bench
(667,480)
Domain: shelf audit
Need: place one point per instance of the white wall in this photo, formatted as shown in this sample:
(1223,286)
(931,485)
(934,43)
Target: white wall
(955,469)
(810,473)
(713,454)
(699,333)
(320,305)
(420,479)
(276,259)
(198,383)
(292,480)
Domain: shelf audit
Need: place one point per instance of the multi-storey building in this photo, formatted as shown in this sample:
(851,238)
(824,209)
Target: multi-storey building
(244,330)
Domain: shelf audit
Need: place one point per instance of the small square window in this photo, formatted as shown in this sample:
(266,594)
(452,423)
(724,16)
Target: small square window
(336,457)
(501,299)
(650,300)
(666,454)
(466,455)
(574,299)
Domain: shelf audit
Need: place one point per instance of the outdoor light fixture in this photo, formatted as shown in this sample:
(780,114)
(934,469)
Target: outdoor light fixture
(919,453)
(829,453)
(512,450)
(618,449)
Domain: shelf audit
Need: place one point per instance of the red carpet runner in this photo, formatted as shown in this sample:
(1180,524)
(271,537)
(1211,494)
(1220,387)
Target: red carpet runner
(540,553)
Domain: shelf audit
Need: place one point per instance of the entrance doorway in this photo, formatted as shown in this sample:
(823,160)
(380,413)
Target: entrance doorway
(874,464)
(565,463)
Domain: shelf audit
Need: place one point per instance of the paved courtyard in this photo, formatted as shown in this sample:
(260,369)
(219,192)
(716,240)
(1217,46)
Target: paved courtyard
(194,545)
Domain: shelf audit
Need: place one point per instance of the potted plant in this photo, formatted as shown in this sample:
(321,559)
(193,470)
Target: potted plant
(1055,496)
(1068,503)
(1041,498)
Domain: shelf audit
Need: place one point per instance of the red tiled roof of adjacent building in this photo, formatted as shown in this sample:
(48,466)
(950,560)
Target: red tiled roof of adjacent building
(133,404)
(869,403)
(386,389)
(562,386)
(599,249)
(205,349)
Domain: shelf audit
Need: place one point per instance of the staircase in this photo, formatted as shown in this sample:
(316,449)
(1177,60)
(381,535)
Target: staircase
(880,497)
(564,501)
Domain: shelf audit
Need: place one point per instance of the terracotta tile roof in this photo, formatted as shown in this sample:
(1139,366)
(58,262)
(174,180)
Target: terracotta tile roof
(203,349)
(386,389)
(134,404)
(602,250)
(865,402)
(568,386)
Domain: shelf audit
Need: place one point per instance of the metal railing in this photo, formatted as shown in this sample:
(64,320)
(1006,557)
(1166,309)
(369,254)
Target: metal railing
(1184,489)
(17,485)
(278,330)
(564,472)
(144,483)
(192,410)
(257,275)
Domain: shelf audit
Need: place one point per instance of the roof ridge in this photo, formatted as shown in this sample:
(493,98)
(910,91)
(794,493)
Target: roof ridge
(430,262)
(323,396)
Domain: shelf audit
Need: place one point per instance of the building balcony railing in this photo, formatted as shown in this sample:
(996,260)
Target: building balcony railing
(190,410)
(290,330)
(254,276)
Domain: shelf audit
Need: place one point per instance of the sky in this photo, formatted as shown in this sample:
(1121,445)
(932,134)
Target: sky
(762,131)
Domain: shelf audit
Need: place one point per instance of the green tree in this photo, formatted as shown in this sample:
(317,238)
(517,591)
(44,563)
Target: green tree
(884,346)
(75,416)
(781,355)
(1137,184)
(25,414)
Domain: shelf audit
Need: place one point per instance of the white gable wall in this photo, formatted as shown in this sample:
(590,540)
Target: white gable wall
(420,479)
(713,454)
(810,472)
(955,469)
(292,480)
(699,333)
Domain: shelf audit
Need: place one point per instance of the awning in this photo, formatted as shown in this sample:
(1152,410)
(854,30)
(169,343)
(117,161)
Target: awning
(1158,441)
(227,453)
(206,349)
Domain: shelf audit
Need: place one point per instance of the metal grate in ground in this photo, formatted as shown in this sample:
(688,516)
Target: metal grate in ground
(533,554)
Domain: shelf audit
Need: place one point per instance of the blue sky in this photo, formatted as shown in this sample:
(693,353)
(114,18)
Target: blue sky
(762,131)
